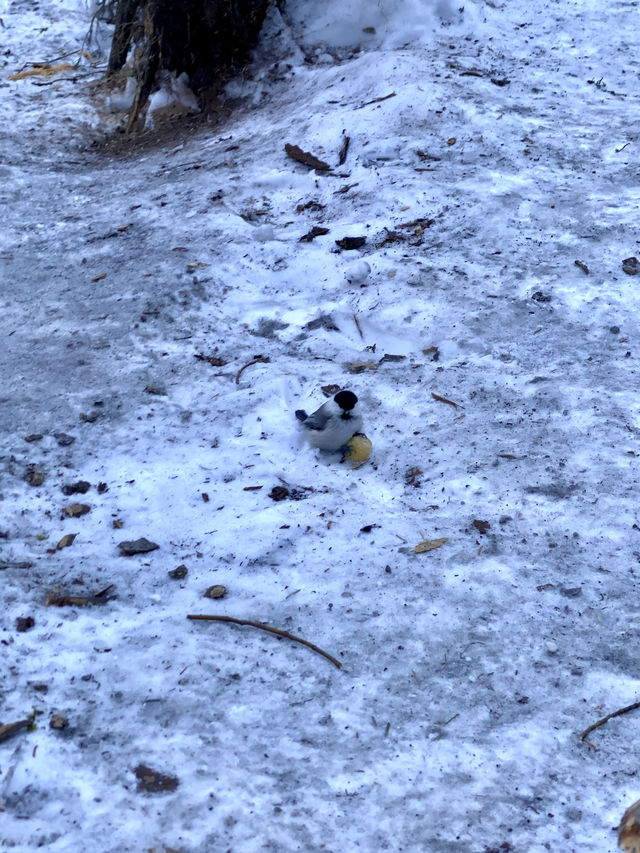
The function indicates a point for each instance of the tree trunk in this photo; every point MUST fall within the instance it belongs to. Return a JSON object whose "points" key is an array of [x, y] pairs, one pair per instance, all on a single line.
{"points": [[206, 38]]}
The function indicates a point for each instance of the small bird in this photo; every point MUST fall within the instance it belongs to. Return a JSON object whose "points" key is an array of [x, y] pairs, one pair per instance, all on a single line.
{"points": [[334, 423]]}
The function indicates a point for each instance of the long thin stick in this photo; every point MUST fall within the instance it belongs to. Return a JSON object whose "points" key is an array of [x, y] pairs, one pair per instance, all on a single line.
{"points": [[263, 627], [606, 719], [259, 359]]}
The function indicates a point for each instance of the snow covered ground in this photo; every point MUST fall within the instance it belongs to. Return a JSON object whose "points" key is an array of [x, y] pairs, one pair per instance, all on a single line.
{"points": [[490, 149]]}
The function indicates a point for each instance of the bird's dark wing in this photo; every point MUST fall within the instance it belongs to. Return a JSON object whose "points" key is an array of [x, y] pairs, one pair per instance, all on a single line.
{"points": [[318, 420]]}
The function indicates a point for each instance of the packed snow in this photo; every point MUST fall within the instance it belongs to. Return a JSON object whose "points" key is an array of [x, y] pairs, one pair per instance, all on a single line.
{"points": [[161, 319]]}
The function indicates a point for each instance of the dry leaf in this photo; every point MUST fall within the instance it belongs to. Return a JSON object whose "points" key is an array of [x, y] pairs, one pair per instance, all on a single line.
{"points": [[330, 390], [428, 545], [629, 831], [66, 541]]}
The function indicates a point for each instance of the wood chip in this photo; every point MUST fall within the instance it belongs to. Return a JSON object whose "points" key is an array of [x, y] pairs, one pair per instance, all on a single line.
{"points": [[316, 231], [428, 545], [306, 158], [362, 366], [153, 782]]}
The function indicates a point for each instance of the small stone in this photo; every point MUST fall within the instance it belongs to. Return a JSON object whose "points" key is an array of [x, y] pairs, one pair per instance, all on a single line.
{"points": [[216, 591], [349, 243], [76, 510], [630, 266], [24, 623], [138, 546], [79, 488], [57, 721], [615, 330], [540, 296], [279, 493], [36, 436], [178, 573], [34, 477], [63, 439]]}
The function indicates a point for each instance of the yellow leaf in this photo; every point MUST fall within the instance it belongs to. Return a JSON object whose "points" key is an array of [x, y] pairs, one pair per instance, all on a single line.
{"points": [[428, 545], [42, 71]]}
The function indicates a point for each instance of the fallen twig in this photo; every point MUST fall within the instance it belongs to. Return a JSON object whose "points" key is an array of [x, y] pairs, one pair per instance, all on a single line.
{"points": [[606, 719], [445, 400], [279, 632], [344, 148], [377, 100], [56, 598], [357, 322], [259, 359], [10, 729]]}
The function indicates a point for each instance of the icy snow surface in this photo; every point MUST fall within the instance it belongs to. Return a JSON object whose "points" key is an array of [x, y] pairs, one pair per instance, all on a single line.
{"points": [[507, 134]]}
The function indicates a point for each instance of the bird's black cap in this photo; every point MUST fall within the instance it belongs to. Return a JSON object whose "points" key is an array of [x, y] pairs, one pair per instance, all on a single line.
{"points": [[346, 400]]}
